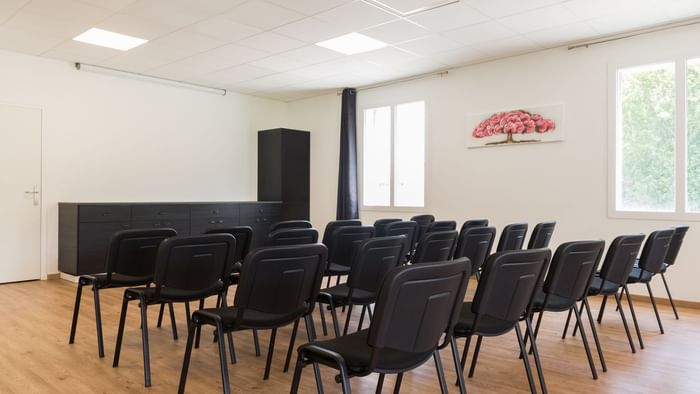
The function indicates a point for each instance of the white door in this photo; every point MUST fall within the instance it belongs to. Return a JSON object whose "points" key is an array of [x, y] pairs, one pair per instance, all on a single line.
{"points": [[20, 198]]}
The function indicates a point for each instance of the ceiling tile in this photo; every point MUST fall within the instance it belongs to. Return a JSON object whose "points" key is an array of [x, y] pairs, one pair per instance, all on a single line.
{"points": [[355, 16], [429, 45], [506, 47], [240, 73], [278, 63], [501, 8], [135, 26], [209, 7], [75, 51], [223, 29], [483, 32], [314, 71], [167, 12], [229, 55], [389, 56], [449, 17], [464, 55], [309, 7], [68, 10], [311, 30], [557, 36], [311, 54], [263, 15], [588, 9], [271, 42], [189, 42], [31, 42], [541, 18], [617, 23], [681, 9], [114, 5], [10, 7], [45, 25], [396, 31]]}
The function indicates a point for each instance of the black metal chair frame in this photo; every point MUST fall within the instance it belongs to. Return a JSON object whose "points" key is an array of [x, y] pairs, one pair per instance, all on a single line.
{"points": [[290, 224], [541, 235]]}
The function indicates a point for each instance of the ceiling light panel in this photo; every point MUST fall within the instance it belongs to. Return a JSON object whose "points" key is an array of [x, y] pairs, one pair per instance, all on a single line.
{"points": [[351, 44], [110, 39]]}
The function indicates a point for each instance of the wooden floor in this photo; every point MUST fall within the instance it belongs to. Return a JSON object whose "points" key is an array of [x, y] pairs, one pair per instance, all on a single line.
{"points": [[35, 356]]}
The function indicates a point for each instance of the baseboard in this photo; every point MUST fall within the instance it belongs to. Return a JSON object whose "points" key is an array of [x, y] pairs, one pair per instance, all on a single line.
{"points": [[69, 277], [53, 276], [666, 302]]}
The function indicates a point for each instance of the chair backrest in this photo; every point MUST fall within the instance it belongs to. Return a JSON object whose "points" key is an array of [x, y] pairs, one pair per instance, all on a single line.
{"points": [[243, 235], [655, 249], [423, 223], [508, 283], [373, 259], [408, 228], [331, 226], [474, 223], [572, 269], [416, 305], [620, 258], [282, 280], [133, 252], [344, 242], [196, 266], [676, 243], [437, 246], [541, 235], [475, 243], [442, 225], [292, 236], [512, 237], [290, 224], [380, 225]]}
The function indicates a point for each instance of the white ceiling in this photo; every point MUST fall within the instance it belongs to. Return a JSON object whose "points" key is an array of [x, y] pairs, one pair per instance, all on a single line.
{"points": [[266, 47]]}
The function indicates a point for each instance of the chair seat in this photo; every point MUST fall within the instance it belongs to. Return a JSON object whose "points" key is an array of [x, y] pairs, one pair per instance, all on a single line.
{"points": [[337, 269], [175, 295], [639, 275], [340, 295], [599, 286], [118, 280], [231, 318], [356, 353], [488, 326], [554, 302]]}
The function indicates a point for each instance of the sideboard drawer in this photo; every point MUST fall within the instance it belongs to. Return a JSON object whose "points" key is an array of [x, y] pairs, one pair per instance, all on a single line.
{"points": [[181, 226], [104, 213], [160, 212], [255, 210], [214, 211], [199, 226]]}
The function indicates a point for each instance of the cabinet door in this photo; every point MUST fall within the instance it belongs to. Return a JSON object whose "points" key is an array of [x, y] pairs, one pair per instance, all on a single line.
{"points": [[93, 243], [160, 212], [199, 226], [181, 226]]}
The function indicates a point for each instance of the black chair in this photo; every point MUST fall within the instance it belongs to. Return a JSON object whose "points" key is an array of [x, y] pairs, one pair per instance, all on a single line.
{"points": [[442, 225], [292, 236], [504, 297], [437, 246], [570, 274], [671, 257], [474, 223], [373, 259], [650, 263], [417, 305], [380, 224], [244, 237], [341, 247], [512, 237], [541, 235], [423, 223], [290, 224], [278, 287], [475, 243], [333, 225], [617, 265], [408, 228], [131, 258], [187, 269]]}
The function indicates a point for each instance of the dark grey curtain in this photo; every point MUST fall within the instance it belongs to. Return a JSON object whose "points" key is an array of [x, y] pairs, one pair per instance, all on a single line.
{"points": [[347, 174]]}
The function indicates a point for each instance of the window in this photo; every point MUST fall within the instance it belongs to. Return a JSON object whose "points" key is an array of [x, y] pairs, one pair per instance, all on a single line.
{"points": [[657, 138], [393, 156]]}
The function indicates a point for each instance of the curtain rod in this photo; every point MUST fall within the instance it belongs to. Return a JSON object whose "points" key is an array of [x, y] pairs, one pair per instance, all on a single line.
{"points": [[638, 32], [400, 80]]}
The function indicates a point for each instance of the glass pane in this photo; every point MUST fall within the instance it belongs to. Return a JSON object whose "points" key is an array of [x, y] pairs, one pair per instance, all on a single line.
{"points": [[376, 157], [409, 155], [693, 139], [647, 138]]}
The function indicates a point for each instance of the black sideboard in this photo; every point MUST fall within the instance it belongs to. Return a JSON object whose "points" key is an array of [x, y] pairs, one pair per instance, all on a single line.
{"points": [[84, 229]]}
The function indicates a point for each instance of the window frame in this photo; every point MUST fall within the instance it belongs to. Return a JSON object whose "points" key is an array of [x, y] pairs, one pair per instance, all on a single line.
{"points": [[392, 104], [680, 61]]}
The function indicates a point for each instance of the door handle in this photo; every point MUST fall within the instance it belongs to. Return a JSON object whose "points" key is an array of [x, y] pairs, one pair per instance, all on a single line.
{"points": [[35, 194]]}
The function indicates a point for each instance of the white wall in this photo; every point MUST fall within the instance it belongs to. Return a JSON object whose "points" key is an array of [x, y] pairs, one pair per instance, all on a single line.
{"points": [[565, 181], [108, 138]]}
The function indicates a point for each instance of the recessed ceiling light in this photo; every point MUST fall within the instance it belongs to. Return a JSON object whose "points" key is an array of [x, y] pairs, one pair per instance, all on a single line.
{"points": [[352, 43], [110, 39]]}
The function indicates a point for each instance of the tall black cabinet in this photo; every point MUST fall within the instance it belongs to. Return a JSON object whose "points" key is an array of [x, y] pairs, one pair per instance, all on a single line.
{"points": [[283, 170]]}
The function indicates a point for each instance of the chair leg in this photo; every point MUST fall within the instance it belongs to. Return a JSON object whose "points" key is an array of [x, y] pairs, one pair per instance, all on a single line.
{"points": [[347, 319], [291, 345], [673, 304], [362, 317], [397, 385], [120, 331], [566, 326], [634, 317], [231, 347], [602, 309], [458, 367], [160, 315], [311, 336], [186, 360], [76, 311], [656, 310], [199, 327], [536, 354], [296, 379], [526, 360], [580, 311], [585, 343], [173, 325], [270, 351], [624, 323], [440, 371], [595, 335], [144, 343], [380, 384], [323, 318], [222, 357], [334, 315], [475, 356], [463, 362], [256, 343], [369, 312], [98, 321]]}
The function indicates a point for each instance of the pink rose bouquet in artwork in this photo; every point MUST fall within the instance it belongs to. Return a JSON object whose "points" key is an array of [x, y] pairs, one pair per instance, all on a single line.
{"points": [[513, 122]]}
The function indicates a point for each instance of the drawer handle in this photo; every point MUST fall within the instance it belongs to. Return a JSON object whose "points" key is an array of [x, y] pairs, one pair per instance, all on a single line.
{"points": [[212, 221], [215, 212], [257, 220], [220, 221], [106, 213]]}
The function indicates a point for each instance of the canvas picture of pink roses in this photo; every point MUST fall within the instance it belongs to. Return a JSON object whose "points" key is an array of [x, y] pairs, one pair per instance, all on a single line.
{"points": [[516, 126]]}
